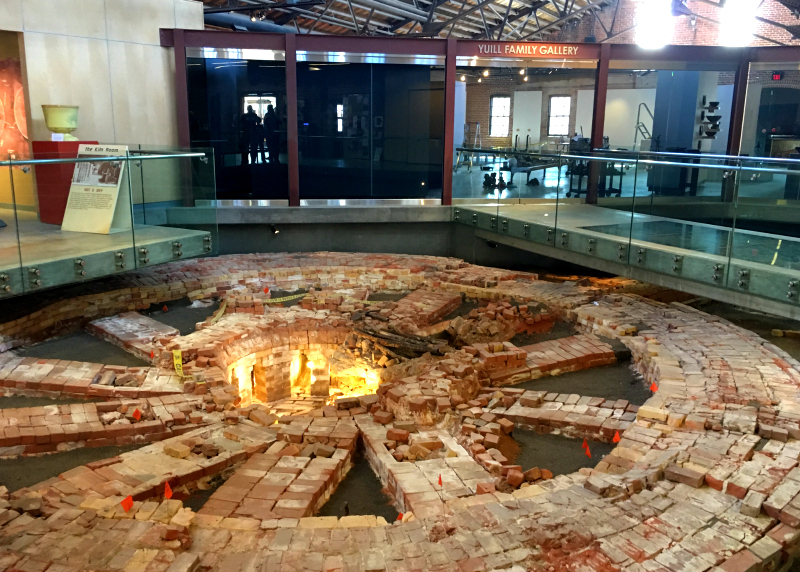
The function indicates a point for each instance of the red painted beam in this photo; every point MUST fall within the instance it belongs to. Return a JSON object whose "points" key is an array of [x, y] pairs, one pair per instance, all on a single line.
{"points": [[449, 120], [291, 119], [598, 119]]}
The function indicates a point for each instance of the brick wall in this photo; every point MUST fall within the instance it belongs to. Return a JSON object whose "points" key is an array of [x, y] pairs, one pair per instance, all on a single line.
{"points": [[478, 106], [702, 33]]}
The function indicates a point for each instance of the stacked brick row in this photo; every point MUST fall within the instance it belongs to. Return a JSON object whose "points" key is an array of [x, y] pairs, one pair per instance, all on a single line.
{"points": [[336, 301], [434, 390], [142, 473], [280, 483], [482, 438], [50, 428], [498, 322], [415, 486], [56, 377], [133, 332], [573, 415], [425, 307]]}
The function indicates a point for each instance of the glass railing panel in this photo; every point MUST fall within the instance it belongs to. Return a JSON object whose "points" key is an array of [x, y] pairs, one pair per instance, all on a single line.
{"points": [[527, 206], [683, 215], [177, 214], [68, 219], [11, 180], [82, 228], [765, 245]]}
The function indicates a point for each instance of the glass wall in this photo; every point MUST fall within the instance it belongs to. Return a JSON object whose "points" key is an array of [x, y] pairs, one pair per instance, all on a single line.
{"points": [[772, 111], [514, 118], [237, 106], [370, 128], [678, 110]]}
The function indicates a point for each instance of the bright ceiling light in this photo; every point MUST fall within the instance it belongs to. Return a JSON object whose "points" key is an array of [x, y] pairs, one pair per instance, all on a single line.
{"points": [[486, 73], [525, 78], [463, 78], [738, 23], [654, 23], [522, 72]]}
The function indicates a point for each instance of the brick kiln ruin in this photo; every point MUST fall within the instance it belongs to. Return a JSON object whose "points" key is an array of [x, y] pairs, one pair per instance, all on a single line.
{"points": [[411, 358]]}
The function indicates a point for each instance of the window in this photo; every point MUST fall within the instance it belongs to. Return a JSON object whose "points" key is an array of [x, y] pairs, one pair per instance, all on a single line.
{"points": [[339, 117], [500, 115], [259, 103], [558, 116]]}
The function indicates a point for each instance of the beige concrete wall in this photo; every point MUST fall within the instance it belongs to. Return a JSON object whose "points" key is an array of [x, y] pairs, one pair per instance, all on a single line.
{"points": [[103, 55]]}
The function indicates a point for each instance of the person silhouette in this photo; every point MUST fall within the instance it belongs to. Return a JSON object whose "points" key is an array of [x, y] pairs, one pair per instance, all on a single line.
{"points": [[250, 125], [271, 125]]}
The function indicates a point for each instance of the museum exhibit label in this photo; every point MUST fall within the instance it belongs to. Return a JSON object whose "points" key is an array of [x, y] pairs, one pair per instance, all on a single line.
{"points": [[94, 203]]}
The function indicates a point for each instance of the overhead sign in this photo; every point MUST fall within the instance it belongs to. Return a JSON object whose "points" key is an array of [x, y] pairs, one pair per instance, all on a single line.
{"points": [[527, 50], [94, 203]]}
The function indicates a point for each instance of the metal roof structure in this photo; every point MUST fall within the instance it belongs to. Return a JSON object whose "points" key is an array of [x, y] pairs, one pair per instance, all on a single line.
{"points": [[506, 20]]}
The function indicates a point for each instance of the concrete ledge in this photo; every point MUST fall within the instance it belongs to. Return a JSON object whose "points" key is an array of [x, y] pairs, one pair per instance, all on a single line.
{"points": [[309, 215]]}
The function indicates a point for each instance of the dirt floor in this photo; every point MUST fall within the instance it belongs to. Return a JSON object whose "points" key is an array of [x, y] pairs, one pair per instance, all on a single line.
{"points": [[465, 308], [386, 296], [81, 346], [26, 471], [557, 331], [362, 492], [559, 454], [617, 381], [180, 316]]}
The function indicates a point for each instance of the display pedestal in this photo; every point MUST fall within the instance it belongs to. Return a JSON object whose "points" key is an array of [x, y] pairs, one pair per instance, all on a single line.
{"points": [[53, 180]]}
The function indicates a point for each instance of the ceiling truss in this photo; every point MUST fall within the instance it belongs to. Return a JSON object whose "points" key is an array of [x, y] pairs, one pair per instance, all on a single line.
{"points": [[463, 19], [509, 20]]}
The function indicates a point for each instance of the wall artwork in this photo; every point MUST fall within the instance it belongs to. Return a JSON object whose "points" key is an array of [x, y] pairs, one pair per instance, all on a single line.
{"points": [[13, 120]]}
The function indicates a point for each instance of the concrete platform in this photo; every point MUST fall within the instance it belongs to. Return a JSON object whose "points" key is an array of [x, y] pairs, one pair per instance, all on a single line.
{"points": [[32, 251], [755, 270]]}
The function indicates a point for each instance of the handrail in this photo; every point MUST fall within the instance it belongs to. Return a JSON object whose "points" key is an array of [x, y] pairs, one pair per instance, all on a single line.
{"points": [[144, 157], [696, 155], [641, 127], [688, 165]]}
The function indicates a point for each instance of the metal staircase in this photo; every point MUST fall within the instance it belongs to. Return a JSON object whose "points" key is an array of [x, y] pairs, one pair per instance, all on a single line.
{"points": [[641, 129]]}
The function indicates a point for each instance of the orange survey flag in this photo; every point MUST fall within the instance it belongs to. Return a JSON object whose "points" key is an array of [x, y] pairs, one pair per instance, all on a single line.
{"points": [[588, 453], [585, 443], [617, 438], [127, 503], [653, 387], [137, 414], [167, 491]]}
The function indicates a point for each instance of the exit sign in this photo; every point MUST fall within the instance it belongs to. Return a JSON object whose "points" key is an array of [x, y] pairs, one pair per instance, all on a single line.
{"points": [[777, 76]]}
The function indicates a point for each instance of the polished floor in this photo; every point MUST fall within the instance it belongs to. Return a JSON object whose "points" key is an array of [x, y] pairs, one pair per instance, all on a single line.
{"points": [[554, 183]]}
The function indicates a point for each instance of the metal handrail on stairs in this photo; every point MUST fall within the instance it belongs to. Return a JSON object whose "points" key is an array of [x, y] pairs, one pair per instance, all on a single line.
{"points": [[641, 128]]}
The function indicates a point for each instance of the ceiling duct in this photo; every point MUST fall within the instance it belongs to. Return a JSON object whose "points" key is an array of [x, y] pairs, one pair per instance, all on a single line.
{"points": [[236, 21]]}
